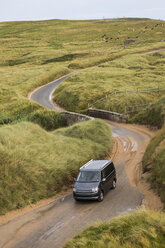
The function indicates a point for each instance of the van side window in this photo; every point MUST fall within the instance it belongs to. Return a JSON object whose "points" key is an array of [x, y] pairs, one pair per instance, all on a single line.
{"points": [[111, 167], [108, 170], [103, 174]]}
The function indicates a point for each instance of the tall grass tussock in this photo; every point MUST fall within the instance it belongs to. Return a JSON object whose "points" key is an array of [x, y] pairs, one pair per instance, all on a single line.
{"points": [[154, 162], [139, 229], [153, 115], [24, 110]]}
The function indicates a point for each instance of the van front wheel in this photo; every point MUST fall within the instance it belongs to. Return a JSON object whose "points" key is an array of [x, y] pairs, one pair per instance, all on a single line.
{"points": [[101, 196]]}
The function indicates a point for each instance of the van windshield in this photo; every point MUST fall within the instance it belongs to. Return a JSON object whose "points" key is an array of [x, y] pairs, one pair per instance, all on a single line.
{"points": [[88, 176]]}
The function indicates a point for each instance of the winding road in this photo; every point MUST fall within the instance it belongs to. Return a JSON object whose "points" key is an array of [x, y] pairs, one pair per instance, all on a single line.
{"points": [[53, 224], [43, 95]]}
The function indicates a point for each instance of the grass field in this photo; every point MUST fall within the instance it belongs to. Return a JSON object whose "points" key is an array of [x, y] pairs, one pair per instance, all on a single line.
{"points": [[130, 72], [154, 161], [139, 229], [117, 68], [36, 164], [34, 53], [153, 115]]}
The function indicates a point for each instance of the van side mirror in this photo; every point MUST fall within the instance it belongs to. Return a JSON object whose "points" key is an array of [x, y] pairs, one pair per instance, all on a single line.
{"points": [[104, 179], [75, 180]]}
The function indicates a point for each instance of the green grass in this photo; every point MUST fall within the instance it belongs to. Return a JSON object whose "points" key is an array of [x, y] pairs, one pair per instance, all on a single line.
{"points": [[153, 115], [34, 53], [139, 229], [36, 164], [47, 119], [154, 162], [130, 72], [24, 110], [14, 104], [154, 157]]}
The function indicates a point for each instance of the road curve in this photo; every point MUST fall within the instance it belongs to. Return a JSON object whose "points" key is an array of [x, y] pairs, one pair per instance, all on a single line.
{"points": [[51, 225], [43, 95]]}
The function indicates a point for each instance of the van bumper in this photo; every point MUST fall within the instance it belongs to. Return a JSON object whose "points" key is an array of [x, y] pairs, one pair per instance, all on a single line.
{"points": [[92, 196]]}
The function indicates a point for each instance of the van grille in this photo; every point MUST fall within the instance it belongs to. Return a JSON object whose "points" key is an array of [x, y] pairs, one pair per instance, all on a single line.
{"points": [[84, 191]]}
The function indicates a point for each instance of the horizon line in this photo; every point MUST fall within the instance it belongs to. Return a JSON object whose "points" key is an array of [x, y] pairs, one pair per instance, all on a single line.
{"points": [[88, 19]]}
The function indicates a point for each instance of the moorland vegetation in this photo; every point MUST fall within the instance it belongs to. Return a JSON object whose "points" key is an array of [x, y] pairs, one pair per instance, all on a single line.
{"points": [[154, 163], [120, 80], [110, 55], [35, 53], [138, 229], [36, 164]]}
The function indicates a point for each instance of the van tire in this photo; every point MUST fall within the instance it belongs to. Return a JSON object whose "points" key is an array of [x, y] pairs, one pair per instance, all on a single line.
{"points": [[101, 196], [114, 184], [76, 200]]}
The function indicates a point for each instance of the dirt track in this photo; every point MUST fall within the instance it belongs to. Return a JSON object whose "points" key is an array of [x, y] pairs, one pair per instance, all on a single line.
{"points": [[134, 170], [154, 51]]}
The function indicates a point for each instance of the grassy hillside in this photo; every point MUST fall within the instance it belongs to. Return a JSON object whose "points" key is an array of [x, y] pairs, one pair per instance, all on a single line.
{"points": [[24, 110], [121, 69], [154, 157], [154, 162], [130, 72], [137, 230], [35, 164], [153, 115], [14, 105], [34, 53]]}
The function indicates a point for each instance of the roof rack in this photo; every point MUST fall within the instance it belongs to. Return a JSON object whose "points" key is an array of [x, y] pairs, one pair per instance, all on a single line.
{"points": [[86, 164]]}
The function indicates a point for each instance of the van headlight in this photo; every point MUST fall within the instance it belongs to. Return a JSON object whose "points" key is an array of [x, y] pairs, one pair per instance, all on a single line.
{"points": [[74, 189], [95, 190]]}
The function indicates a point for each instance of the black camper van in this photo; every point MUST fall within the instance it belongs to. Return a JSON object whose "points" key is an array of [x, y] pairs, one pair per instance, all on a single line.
{"points": [[94, 180]]}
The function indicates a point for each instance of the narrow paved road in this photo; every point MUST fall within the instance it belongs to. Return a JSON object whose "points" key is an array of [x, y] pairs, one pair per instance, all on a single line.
{"points": [[51, 225], [43, 95]]}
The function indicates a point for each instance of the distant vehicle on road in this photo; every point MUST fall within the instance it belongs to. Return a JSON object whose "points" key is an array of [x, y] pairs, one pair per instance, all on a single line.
{"points": [[94, 180]]}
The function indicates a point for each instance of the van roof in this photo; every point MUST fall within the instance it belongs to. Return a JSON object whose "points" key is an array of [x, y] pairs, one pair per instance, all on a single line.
{"points": [[95, 165]]}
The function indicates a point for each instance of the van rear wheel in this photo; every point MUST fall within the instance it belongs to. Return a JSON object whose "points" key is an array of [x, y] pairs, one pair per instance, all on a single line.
{"points": [[101, 196], [114, 184]]}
